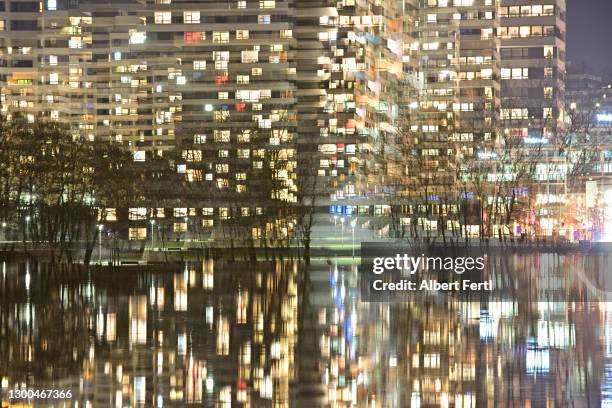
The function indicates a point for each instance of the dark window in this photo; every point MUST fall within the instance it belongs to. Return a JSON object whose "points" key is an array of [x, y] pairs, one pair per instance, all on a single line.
{"points": [[26, 6], [24, 25]]}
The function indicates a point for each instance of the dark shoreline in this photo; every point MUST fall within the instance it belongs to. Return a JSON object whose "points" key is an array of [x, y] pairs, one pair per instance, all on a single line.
{"points": [[146, 256]]}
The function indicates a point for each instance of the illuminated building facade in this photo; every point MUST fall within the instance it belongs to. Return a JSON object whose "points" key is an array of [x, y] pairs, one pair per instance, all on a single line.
{"points": [[533, 76], [251, 98], [217, 83], [460, 97]]}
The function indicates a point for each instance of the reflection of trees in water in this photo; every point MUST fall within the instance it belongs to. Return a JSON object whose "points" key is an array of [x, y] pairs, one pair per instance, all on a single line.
{"points": [[44, 328], [153, 324], [433, 351]]}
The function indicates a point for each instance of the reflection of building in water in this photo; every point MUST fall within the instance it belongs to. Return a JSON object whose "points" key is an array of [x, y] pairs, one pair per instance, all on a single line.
{"points": [[137, 313], [224, 335], [38, 305], [228, 339], [514, 346], [606, 384]]}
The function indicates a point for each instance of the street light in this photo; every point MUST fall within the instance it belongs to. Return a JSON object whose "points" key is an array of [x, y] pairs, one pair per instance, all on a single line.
{"points": [[4, 231], [353, 225], [152, 236], [100, 228]]}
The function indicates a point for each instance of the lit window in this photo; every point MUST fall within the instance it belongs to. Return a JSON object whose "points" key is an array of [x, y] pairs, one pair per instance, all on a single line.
{"points": [[52, 59], [264, 19], [548, 72], [191, 17], [135, 234], [525, 31], [548, 113], [51, 5], [548, 92], [242, 79], [194, 37], [75, 42], [137, 213], [549, 51], [54, 78], [266, 4], [286, 33], [2, 25], [486, 33], [199, 65], [549, 10], [137, 37], [220, 37], [139, 156], [241, 4], [242, 34], [250, 56], [222, 136], [163, 17]]}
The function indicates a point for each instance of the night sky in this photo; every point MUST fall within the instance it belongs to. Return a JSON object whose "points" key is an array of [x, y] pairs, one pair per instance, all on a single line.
{"points": [[589, 34]]}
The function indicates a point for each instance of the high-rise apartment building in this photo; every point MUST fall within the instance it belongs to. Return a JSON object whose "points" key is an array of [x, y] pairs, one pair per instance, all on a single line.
{"points": [[252, 97], [533, 68], [533, 99], [460, 96], [218, 79]]}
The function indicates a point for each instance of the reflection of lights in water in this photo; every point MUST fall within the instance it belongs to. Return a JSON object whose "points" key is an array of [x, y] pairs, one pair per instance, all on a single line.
{"points": [[488, 325], [537, 358], [137, 311], [118, 398], [465, 401], [160, 362], [210, 385], [348, 329], [209, 314], [100, 324], [275, 351], [266, 389], [140, 388], [415, 400], [606, 383], [559, 335], [182, 344], [502, 309]]}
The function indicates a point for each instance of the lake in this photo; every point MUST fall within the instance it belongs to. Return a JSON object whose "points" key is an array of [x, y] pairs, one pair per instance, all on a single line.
{"points": [[274, 334]]}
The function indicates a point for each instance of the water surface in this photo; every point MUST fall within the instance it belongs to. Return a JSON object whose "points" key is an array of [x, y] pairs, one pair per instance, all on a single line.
{"points": [[273, 334]]}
